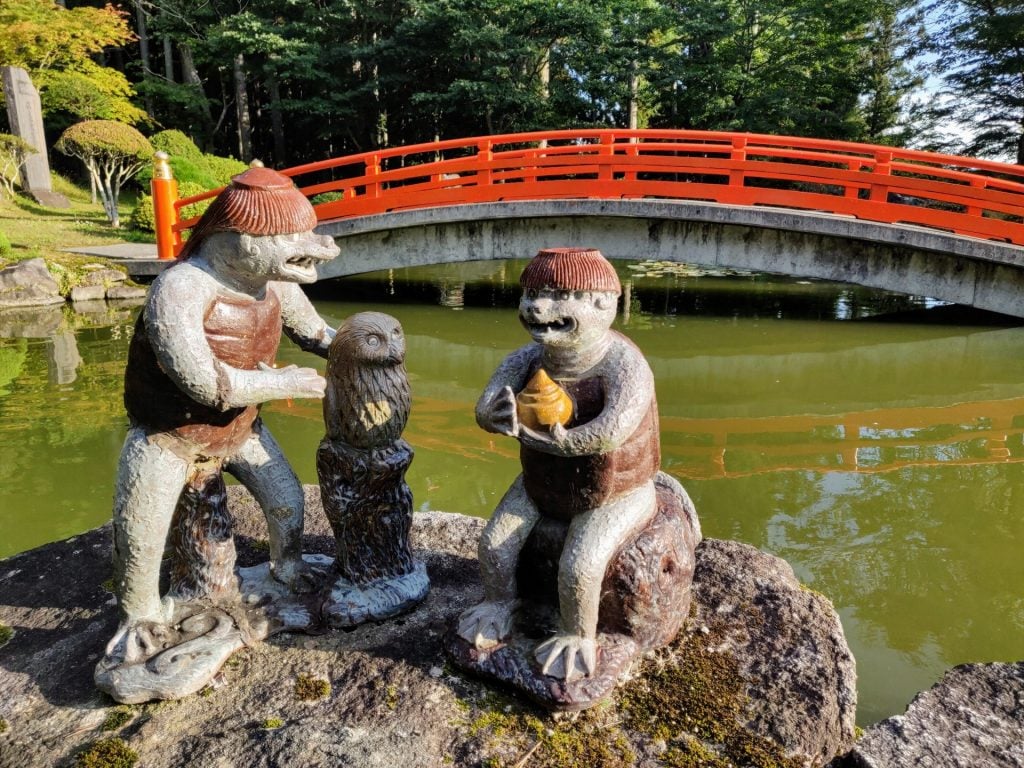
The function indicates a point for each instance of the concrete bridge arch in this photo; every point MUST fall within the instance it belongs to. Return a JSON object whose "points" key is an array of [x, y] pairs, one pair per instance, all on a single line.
{"points": [[910, 259]]}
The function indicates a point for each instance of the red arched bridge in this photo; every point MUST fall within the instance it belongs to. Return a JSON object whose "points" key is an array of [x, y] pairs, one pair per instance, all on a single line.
{"points": [[917, 222]]}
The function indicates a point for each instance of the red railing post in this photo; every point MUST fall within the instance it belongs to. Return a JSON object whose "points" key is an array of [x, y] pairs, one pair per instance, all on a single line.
{"points": [[372, 170], [606, 156], [738, 155], [976, 183], [883, 167], [165, 194], [484, 154]]}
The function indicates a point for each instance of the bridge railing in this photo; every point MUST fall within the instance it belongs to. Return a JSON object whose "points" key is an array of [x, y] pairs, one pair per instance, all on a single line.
{"points": [[965, 196]]}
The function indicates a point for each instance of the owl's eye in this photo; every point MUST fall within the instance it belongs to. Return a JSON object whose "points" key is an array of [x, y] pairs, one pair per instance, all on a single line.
{"points": [[396, 333], [373, 341]]}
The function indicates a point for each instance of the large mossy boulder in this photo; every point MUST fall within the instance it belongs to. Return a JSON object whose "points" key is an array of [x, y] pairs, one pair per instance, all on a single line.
{"points": [[762, 677], [28, 284]]}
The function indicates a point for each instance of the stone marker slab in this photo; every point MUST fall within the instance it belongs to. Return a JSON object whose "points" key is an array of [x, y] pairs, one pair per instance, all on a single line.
{"points": [[26, 118]]}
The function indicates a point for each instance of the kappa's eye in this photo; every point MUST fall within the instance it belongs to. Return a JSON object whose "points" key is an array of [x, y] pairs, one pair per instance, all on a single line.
{"points": [[563, 295], [578, 295], [532, 293]]}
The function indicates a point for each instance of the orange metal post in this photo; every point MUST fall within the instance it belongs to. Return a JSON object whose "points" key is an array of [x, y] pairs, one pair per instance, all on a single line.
{"points": [[165, 193]]}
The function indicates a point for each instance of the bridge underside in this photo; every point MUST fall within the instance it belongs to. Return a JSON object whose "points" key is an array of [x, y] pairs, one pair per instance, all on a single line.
{"points": [[913, 260]]}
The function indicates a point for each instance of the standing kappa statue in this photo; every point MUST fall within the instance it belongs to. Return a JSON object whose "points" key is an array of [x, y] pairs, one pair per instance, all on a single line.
{"points": [[589, 556], [200, 364]]}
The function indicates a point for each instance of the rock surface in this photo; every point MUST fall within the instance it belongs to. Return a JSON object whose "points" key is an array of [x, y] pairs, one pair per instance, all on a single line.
{"points": [[972, 718], [393, 700], [28, 284]]}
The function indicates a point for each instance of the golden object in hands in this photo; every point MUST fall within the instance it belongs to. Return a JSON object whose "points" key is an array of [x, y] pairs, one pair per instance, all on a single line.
{"points": [[543, 403]]}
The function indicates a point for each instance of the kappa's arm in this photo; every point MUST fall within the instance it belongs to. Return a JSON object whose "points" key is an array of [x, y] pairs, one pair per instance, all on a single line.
{"points": [[302, 324], [628, 388], [175, 314]]}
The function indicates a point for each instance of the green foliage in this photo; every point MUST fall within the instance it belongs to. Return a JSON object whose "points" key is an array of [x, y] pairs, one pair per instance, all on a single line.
{"points": [[308, 688], [143, 219], [91, 93], [176, 144], [190, 166], [221, 169], [58, 48], [327, 197], [5, 247], [272, 723], [12, 361], [112, 152], [107, 753], [979, 46], [105, 139], [6, 633], [3, 725], [13, 150]]}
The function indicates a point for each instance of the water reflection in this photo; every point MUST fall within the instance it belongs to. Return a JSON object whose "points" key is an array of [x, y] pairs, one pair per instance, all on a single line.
{"points": [[882, 459]]}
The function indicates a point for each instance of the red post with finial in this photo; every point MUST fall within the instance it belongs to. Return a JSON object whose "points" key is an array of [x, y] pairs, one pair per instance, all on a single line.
{"points": [[165, 194]]}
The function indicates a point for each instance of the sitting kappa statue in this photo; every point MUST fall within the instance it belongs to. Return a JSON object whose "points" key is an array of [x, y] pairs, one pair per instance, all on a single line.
{"points": [[200, 365], [591, 528]]}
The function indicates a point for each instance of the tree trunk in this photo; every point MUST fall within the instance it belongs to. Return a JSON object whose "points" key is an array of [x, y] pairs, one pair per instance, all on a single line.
{"points": [[276, 121], [242, 110], [168, 60], [634, 90], [140, 26], [191, 76]]}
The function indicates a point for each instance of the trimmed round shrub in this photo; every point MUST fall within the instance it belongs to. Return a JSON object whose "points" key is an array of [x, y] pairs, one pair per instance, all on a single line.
{"points": [[176, 144], [223, 168]]}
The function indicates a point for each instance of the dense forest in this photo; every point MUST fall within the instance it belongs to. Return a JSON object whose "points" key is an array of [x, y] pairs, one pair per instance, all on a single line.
{"points": [[298, 80]]}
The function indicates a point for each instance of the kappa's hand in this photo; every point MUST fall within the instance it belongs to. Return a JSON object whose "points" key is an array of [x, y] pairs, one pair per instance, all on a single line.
{"points": [[293, 381], [501, 416]]}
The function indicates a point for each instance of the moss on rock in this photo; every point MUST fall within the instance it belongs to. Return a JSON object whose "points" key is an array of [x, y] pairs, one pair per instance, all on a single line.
{"points": [[308, 688], [107, 753]]}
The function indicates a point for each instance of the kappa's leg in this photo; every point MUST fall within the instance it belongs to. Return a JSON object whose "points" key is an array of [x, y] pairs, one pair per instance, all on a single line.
{"points": [[593, 538], [150, 478], [261, 466], [503, 539]]}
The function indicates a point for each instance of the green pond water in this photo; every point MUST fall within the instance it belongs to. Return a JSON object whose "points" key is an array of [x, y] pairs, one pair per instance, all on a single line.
{"points": [[877, 450]]}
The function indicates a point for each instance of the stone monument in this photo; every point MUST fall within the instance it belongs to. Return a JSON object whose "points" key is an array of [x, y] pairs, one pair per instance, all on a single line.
{"points": [[26, 118], [200, 364], [361, 465], [588, 559]]}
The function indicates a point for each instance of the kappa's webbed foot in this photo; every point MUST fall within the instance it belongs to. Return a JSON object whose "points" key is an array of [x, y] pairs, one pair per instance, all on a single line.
{"points": [[567, 657], [488, 623]]}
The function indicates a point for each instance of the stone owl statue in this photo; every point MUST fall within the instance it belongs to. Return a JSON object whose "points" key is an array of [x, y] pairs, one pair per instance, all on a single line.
{"points": [[367, 400]]}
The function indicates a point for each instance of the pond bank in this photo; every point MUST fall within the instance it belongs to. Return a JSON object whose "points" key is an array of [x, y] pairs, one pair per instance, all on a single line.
{"points": [[383, 694]]}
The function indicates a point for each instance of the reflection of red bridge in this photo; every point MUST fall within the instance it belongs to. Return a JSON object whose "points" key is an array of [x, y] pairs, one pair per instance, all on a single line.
{"points": [[866, 441], [873, 183]]}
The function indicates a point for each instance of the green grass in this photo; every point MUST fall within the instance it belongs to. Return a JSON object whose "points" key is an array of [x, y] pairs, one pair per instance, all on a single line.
{"points": [[35, 231]]}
